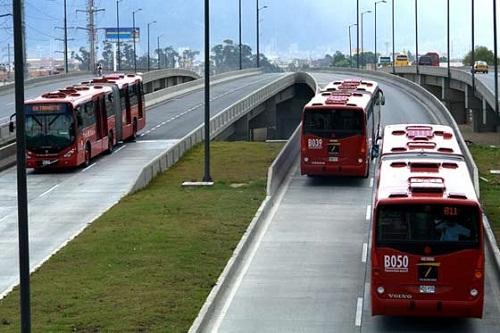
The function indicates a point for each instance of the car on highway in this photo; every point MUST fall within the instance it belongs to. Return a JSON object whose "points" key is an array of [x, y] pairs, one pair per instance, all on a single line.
{"points": [[480, 67], [384, 61], [425, 60], [402, 60]]}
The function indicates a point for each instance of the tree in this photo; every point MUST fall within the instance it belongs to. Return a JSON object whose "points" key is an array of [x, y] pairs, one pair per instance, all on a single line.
{"points": [[83, 58], [127, 52], [108, 57], [480, 53], [339, 60], [187, 58]]}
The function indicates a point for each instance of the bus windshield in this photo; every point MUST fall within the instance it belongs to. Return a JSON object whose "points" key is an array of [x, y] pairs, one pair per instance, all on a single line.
{"points": [[333, 123], [49, 127], [444, 227]]}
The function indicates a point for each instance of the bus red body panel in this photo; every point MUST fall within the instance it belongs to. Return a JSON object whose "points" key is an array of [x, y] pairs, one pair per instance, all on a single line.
{"points": [[339, 126], [427, 233]]}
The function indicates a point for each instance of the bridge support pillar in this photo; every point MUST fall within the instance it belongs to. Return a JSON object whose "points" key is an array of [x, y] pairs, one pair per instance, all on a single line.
{"points": [[263, 125], [484, 119], [455, 101]]}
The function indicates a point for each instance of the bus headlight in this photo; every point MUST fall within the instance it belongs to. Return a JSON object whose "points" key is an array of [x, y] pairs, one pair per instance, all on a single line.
{"points": [[360, 160], [306, 159], [69, 153], [380, 290], [474, 292]]}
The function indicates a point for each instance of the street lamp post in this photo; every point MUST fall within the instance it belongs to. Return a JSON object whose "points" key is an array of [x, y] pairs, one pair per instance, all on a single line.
{"points": [[473, 47], [357, 33], [350, 45], [495, 59], [149, 56], [206, 176], [393, 46], [362, 28], [22, 193], [258, 32], [376, 3], [118, 57], [239, 14], [416, 35], [448, 37], [134, 37]]}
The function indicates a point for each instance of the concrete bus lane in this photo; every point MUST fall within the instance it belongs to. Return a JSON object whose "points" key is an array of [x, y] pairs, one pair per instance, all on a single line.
{"points": [[62, 204], [309, 272]]}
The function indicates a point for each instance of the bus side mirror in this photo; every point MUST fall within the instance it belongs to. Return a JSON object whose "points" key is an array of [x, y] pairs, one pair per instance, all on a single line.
{"points": [[12, 127], [382, 99], [375, 151]]}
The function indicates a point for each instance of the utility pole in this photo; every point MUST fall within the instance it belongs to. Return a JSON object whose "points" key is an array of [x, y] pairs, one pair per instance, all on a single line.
{"points": [[357, 33], [66, 69], [91, 11], [118, 56], [473, 48], [241, 60], [10, 62]]}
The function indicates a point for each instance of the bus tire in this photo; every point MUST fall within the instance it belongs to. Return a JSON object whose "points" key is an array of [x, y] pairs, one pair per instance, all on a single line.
{"points": [[87, 155], [111, 144], [134, 130], [367, 173]]}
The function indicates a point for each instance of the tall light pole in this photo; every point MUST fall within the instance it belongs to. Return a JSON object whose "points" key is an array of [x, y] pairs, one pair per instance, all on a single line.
{"points": [[239, 14], [448, 37], [362, 28], [416, 35], [393, 46], [495, 59], [158, 50], [350, 45], [22, 192], [258, 31], [118, 56], [134, 37], [149, 56], [206, 176], [376, 3], [357, 33], [66, 69], [473, 47]]}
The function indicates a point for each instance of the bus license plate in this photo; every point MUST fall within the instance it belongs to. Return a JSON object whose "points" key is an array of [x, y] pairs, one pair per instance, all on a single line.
{"points": [[427, 289], [333, 159], [46, 162]]}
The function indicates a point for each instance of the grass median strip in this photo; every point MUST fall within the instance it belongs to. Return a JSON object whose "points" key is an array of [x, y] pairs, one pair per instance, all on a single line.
{"points": [[148, 264], [487, 159]]}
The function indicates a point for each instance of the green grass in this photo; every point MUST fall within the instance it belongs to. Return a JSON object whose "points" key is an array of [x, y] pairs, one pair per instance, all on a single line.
{"points": [[489, 159], [148, 264]]}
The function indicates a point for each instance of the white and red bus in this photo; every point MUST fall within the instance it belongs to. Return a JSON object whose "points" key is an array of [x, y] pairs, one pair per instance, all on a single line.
{"points": [[427, 250], [339, 127], [68, 127]]}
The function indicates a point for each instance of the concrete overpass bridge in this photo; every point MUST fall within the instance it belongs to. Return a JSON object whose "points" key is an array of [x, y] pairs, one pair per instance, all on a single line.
{"points": [[298, 268]]}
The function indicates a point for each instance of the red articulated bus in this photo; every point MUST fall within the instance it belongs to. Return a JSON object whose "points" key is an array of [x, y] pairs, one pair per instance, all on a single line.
{"points": [[68, 127], [339, 127], [427, 250]]}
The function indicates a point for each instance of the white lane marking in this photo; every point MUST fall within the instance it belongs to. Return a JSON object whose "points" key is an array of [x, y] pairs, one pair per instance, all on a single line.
{"points": [[10, 103], [3, 218], [368, 211], [143, 134], [359, 312], [119, 149], [49, 190], [364, 255], [90, 166], [371, 182]]}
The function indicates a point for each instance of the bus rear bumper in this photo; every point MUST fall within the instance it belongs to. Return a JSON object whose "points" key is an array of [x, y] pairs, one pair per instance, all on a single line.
{"points": [[427, 308], [333, 170]]}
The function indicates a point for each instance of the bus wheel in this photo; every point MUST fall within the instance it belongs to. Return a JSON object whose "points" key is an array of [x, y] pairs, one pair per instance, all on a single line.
{"points": [[134, 131], [367, 173], [87, 156], [110, 143]]}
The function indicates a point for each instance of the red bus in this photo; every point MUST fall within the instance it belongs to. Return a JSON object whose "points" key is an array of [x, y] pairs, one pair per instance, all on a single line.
{"points": [[339, 127], [69, 127], [427, 251]]}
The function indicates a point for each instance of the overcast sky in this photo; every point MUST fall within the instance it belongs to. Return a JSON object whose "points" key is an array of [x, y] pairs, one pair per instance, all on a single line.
{"points": [[289, 28]]}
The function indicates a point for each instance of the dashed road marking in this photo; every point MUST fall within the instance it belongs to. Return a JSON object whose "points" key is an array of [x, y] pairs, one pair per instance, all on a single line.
{"points": [[359, 312], [90, 166], [368, 211], [371, 182], [364, 254], [49, 190], [122, 147]]}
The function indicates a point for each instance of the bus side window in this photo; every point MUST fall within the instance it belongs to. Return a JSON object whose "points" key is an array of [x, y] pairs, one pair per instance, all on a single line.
{"points": [[109, 104], [89, 115], [122, 99], [133, 94], [79, 117]]}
